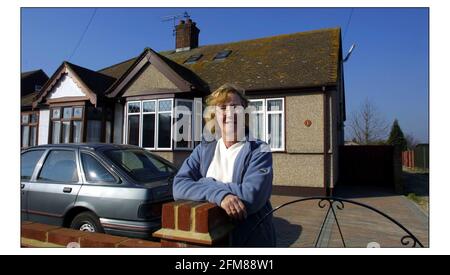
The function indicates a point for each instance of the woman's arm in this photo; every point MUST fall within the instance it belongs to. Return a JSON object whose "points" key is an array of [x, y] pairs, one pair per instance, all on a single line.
{"points": [[254, 191], [189, 184]]}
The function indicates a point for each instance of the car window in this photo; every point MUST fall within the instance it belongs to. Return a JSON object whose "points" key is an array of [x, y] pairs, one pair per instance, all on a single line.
{"points": [[59, 166], [94, 171], [28, 161], [139, 164]]}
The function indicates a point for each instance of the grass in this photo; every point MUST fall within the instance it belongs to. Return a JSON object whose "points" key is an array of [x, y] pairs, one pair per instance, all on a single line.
{"points": [[422, 202]]}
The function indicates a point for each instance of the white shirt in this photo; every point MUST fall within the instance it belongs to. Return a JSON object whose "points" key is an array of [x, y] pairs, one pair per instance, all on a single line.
{"points": [[222, 164]]}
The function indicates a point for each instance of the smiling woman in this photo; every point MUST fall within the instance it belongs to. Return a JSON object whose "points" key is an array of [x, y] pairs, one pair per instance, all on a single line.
{"points": [[234, 173]]}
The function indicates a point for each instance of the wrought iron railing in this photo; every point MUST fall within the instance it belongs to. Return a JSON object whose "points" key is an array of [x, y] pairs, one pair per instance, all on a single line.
{"points": [[335, 203]]}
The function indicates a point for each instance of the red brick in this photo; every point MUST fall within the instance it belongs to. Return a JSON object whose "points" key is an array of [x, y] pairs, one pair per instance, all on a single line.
{"points": [[136, 243], [100, 240], [208, 217], [184, 215], [168, 215], [64, 236], [36, 231]]}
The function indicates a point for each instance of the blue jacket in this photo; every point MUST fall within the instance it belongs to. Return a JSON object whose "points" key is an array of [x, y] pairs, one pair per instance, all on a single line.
{"points": [[252, 183]]}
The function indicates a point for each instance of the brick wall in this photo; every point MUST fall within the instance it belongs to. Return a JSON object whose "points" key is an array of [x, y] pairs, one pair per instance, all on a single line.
{"points": [[193, 224], [184, 224]]}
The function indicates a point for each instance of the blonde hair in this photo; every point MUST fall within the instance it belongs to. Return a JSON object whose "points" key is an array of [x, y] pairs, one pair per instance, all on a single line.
{"points": [[221, 96]]}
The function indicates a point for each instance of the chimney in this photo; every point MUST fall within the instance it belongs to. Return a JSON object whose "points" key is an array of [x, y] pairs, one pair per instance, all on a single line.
{"points": [[186, 35]]}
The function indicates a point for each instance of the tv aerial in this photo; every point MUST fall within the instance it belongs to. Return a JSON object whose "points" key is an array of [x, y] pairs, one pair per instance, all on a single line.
{"points": [[174, 18]]}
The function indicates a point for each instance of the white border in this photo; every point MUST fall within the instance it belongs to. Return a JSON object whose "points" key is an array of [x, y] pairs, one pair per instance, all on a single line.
{"points": [[439, 113]]}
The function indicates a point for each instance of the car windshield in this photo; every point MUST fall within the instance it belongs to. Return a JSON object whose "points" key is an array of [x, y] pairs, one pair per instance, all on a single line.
{"points": [[139, 164]]}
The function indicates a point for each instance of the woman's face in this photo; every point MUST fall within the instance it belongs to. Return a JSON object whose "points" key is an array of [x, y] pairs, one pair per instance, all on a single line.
{"points": [[227, 117]]}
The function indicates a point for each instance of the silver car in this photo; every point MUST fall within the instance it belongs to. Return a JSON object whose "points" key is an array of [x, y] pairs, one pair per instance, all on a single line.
{"points": [[115, 189]]}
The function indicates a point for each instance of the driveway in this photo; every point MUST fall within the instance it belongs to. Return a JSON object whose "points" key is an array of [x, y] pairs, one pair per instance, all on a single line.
{"points": [[298, 225]]}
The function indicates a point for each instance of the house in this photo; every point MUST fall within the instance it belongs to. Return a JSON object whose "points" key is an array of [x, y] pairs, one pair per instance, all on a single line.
{"points": [[31, 83], [295, 82]]}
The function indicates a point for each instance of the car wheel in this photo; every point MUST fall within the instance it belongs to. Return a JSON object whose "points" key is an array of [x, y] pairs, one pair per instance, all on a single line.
{"points": [[88, 222]]}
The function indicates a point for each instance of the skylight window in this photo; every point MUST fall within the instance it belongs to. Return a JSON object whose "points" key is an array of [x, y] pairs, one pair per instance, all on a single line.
{"points": [[222, 55], [193, 58]]}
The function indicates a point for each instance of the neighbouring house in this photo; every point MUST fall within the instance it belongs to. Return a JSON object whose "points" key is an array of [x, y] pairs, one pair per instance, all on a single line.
{"points": [[295, 81], [30, 84]]}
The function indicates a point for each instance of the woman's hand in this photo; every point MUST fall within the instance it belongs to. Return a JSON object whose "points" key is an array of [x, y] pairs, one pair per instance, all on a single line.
{"points": [[234, 207]]}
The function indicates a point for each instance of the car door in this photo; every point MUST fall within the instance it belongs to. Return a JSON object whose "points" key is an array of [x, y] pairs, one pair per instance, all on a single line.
{"points": [[28, 161], [56, 186]]}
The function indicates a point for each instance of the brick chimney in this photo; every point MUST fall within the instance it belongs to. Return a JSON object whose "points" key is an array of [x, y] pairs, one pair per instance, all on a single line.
{"points": [[186, 35]]}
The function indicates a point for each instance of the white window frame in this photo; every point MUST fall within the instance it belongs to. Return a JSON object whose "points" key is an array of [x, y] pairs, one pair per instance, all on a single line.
{"points": [[264, 136], [133, 114], [266, 120], [141, 124], [189, 148], [157, 148]]}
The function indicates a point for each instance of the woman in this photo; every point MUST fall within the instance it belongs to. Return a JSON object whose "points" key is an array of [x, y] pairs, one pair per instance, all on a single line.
{"points": [[236, 174]]}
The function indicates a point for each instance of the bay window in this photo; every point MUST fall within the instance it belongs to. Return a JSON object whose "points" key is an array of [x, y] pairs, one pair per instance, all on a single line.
{"points": [[66, 124], [267, 122], [150, 124]]}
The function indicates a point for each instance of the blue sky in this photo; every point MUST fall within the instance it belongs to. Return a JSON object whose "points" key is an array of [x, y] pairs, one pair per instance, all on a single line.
{"points": [[389, 65]]}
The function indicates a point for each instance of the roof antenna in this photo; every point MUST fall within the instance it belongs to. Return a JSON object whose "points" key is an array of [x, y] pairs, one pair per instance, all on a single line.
{"points": [[173, 18], [349, 52]]}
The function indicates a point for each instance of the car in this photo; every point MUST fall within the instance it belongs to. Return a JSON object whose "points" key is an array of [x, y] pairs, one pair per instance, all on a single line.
{"points": [[105, 188]]}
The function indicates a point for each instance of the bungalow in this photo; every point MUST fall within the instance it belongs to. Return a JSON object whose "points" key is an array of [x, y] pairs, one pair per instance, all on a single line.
{"points": [[30, 85], [295, 82]]}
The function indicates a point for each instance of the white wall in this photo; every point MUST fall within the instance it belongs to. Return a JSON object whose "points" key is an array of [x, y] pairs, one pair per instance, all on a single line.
{"points": [[44, 119], [66, 87], [118, 123]]}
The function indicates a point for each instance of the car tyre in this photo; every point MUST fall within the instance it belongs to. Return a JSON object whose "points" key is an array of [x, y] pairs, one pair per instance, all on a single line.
{"points": [[88, 222]]}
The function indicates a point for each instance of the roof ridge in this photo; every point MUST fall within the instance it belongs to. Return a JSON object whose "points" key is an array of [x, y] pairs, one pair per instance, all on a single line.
{"points": [[262, 38]]}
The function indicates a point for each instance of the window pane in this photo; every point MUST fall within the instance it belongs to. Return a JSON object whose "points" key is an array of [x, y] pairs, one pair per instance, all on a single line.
{"points": [[257, 104], [78, 112], [133, 130], [140, 165], [66, 131], [275, 105], [67, 112], [275, 129], [165, 105], [56, 113], [56, 133], [76, 134], [148, 131], [60, 166], [94, 171], [33, 135], [257, 126], [134, 107], [28, 162], [25, 135], [94, 130], [34, 118], [164, 126], [148, 106], [25, 119]]}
